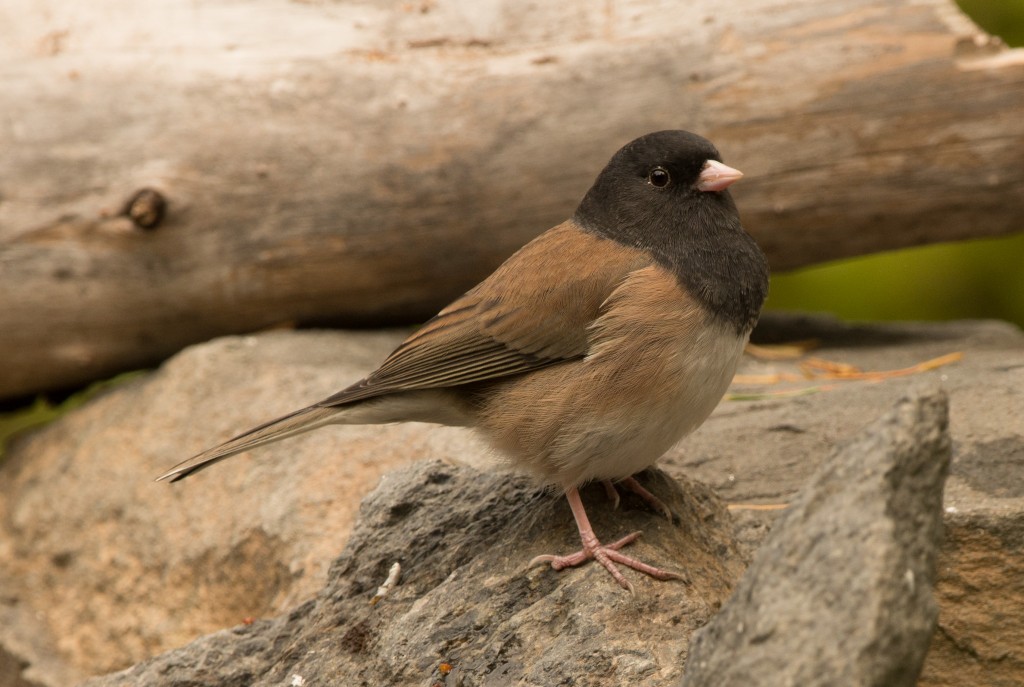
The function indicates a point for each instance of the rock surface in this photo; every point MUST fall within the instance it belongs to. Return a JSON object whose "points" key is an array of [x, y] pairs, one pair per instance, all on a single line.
{"points": [[101, 568], [760, 452], [852, 561], [467, 599], [840, 592]]}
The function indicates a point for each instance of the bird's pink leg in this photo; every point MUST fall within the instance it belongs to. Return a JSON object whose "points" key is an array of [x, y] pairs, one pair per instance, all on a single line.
{"points": [[613, 493], [652, 500], [638, 489], [606, 555]]}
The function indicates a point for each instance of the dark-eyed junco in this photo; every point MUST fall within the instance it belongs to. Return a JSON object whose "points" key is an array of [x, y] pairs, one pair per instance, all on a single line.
{"points": [[593, 349]]}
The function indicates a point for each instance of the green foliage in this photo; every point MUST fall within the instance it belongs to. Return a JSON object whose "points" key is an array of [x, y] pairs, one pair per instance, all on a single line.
{"points": [[43, 410], [978, 279], [1004, 18]]}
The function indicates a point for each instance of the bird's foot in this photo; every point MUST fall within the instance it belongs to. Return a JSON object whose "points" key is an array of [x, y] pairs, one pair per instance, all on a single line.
{"points": [[608, 555]]}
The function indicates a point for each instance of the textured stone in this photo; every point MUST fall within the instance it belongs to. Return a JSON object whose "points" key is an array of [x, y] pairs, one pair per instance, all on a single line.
{"points": [[100, 568], [103, 567], [467, 598], [760, 452], [840, 592]]}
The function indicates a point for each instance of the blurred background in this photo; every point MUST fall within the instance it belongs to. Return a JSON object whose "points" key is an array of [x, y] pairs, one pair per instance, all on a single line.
{"points": [[977, 279], [974, 279]]}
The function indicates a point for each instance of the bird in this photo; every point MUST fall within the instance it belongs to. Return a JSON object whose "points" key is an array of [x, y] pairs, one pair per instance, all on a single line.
{"points": [[589, 352]]}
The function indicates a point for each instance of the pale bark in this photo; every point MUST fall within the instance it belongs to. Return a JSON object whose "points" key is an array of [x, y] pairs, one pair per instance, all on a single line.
{"points": [[358, 163]]}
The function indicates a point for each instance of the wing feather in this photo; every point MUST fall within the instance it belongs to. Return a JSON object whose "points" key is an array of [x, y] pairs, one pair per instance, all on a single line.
{"points": [[525, 316]]}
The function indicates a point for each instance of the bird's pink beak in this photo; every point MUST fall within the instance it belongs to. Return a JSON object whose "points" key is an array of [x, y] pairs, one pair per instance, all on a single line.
{"points": [[716, 176]]}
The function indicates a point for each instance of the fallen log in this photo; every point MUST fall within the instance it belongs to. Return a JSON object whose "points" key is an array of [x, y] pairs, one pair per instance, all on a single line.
{"points": [[169, 175]]}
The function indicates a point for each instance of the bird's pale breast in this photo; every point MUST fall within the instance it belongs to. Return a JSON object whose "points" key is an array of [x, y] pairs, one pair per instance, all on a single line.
{"points": [[657, 365]]}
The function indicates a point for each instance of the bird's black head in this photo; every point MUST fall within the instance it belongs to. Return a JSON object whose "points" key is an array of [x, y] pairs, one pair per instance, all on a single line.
{"points": [[651, 186], [665, 193]]}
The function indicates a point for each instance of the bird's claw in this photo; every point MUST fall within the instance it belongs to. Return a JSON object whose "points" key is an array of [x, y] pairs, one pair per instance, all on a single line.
{"points": [[608, 555]]}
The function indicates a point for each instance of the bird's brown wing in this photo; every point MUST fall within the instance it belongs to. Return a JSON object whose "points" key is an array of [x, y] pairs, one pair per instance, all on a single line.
{"points": [[533, 311]]}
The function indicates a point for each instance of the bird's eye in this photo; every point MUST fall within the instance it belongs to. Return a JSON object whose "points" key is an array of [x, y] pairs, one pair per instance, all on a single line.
{"points": [[659, 177]]}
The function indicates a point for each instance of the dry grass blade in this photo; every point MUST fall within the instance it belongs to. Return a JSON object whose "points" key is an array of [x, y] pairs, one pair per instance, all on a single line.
{"points": [[834, 370], [819, 369], [789, 351], [773, 378]]}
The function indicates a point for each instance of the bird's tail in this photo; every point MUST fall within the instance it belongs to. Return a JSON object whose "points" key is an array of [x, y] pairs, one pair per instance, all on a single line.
{"points": [[299, 422]]}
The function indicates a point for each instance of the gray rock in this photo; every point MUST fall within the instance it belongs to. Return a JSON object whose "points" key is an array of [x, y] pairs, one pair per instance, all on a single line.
{"points": [[840, 593], [758, 453], [100, 568], [468, 600]]}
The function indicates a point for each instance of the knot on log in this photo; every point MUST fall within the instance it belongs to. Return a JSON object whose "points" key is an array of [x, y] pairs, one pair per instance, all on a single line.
{"points": [[146, 208]]}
